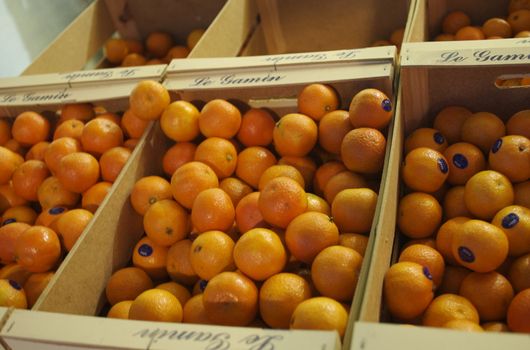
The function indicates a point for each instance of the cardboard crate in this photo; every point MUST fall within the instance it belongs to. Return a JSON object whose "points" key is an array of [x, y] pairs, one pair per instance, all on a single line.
{"points": [[270, 81], [426, 21], [80, 45], [260, 27], [109, 88], [434, 75]]}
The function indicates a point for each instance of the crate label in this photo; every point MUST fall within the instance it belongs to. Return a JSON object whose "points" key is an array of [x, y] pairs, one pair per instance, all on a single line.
{"points": [[60, 95]]}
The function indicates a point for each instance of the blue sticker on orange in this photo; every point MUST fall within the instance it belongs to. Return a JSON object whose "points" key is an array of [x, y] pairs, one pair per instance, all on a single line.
{"points": [[510, 220], [56, 210], [427, 273], [438, 138], [145, 250], [15, 284], [460, 161], [202, 285], [9, 221], [466, 254], [496, 146], [387, 105], [443, 165]]}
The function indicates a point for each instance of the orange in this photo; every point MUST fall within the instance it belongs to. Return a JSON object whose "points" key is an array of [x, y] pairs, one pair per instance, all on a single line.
{"points": [[370, 108], [363, 150], [305, 165], [444, 37], [134, 45], [463, 325], [464, 160], [156, 305], [522, 194], [151, 258], [126, 284], [48, 217], [177, 155], [178, 263], [176, 52], [38, 249], [212, 210], [154, 61], [9, 234], [219, 118], [37, 151], [112, 162], [115, 50], [425, 137], [428, 257], [281, 200], [15, 272], [514, 220], [178, 290], [252, 162], [259, 254], [133, 59], [342, 181], [235, 188], [15, 146], [180, 121], [444, 237], [99, 135], [454, 204], [487, 192], [495, 327], [315, 100], [158, 43], [133, 126], [219, 154], [419, 215], [198, 287], [324, 173], [396, 37], [452, 280], [120, 310], [519, 273], [497, 27], [193, 37], [30, 128], [69, 128], [79, 111], [455, 20], [27, 178], [447, 307], [295, 135], [425, 169], [9, 161], [211, 253], [280, 170], [149, 190], [519, 20], [71, 225], [519, 124], [194, 311], [482, 129], [510, 155], [58, 149], [166, 222], [470, 33], [21, 213], [354, 241], [12, 295], [35, 285], [332, 128], [231, 299], [449, 122], [320, 313], [353, 209], [256, 128], [316, 203], [248, 215], [479, 246], [335, 271], [278, 297], [429, 242], [309, 233], [8, 197], [5, 131], [490, 293], [148, 100], [518, 317], [78, 171], [91, 199], [191, 179]]}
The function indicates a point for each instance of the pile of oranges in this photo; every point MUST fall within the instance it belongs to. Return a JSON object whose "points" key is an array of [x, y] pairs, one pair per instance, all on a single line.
{"points": [[55, 171], [158, 48], [466, 213], [456, 25], [257, 220]]}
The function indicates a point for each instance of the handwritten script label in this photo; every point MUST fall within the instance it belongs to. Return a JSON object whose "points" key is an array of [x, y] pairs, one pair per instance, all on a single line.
{"points": [[237, 80], [101, 74], [211, 340], [37, 97], [482, 56]]}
